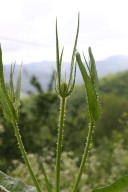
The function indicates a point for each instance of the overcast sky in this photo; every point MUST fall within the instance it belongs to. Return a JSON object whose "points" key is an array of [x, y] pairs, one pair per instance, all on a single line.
{"points": [[27, 28]]}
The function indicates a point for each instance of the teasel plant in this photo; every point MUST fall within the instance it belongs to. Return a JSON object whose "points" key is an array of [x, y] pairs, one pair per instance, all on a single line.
{"points": [[91, 82], [90, 77], [63, 89], [10, 102]]}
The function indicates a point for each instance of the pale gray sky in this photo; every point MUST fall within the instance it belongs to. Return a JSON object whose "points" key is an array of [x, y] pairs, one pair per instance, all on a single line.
{"points": [[27, 28]]}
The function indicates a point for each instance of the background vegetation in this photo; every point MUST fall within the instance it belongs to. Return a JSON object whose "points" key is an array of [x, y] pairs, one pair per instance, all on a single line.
{"points": [[39, 116]]}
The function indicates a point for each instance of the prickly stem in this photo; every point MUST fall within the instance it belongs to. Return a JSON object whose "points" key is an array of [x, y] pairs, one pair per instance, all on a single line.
{"points": [[23, 152], [59, 142], [84, 157]]}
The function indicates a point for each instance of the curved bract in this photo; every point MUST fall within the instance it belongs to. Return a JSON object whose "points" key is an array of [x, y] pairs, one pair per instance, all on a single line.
{"points": [[91, 86]]}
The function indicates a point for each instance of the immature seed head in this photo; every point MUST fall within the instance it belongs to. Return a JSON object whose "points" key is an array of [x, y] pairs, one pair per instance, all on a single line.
{"points": [[9, 98], [62, 88]]}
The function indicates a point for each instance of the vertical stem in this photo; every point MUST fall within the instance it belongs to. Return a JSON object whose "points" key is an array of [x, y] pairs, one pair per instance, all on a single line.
{"points": [[84, 158], [46, 179], [59, 142], [23, 152]]}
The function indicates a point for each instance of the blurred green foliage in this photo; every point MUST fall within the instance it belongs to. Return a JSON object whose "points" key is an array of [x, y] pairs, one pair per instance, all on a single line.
{"points": [[113, 107], [105, 164], [116, 84], [38, 127]]}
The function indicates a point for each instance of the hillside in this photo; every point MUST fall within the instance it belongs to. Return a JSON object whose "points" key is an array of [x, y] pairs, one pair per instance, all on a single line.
{"points": [[43, 70]]}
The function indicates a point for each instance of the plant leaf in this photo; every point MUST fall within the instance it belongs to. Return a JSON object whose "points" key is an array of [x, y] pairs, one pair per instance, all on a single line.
{"points": [[11, 87], [18, 89], [8, 108], [92, 101], [58, 59], [74, 51], [8, 184], [93, 69], [121, 185]]}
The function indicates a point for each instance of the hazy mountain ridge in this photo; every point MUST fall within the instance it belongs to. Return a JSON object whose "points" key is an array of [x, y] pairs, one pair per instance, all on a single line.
{"points": [[112, 64], [44, 69]]}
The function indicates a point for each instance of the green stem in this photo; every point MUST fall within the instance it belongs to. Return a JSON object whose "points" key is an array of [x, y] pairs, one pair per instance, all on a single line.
{"points": [[46, 179], [84, 158], [59, 142], [23, 152]]}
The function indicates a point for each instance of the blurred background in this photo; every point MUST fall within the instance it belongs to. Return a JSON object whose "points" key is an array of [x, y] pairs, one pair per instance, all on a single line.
{"points": [[28, 35]]}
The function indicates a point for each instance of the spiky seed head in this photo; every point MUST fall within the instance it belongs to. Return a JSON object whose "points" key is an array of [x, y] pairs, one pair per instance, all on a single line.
{"points": [[63, 89]]}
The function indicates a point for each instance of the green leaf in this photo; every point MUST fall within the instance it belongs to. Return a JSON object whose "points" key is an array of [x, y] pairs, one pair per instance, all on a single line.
{"points": [[18, 89], [58, 59], [121, 185], [8, 184], [11, 87], [93, 69], [8, 108], [92, 100], [74, 51]]}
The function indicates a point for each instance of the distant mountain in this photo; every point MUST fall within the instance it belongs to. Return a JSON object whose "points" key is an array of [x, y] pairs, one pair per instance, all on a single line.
{"points": [[112, 65], [44, 69]]}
